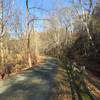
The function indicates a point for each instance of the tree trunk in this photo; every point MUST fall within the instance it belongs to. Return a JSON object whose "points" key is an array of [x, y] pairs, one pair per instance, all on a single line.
{"points": [[28, 37], [1, 36]]}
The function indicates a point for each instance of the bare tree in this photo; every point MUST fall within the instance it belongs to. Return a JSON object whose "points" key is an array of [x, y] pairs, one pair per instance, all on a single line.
{"points": [[28, 35], [5, 15]]}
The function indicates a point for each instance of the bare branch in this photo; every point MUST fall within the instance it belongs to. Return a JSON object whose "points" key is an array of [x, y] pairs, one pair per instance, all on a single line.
{"points": [[37, 19], [39, 9]]}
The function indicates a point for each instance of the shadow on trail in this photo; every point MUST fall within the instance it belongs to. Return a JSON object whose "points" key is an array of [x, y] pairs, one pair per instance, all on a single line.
{"points": [[32, 84]]}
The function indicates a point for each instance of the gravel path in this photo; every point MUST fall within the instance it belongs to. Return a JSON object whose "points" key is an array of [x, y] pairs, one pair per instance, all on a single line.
{"points": [[33, 84]]}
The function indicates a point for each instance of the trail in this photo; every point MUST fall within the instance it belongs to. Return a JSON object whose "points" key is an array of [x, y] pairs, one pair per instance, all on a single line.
{"points": [[40, 83], [45, 81]]}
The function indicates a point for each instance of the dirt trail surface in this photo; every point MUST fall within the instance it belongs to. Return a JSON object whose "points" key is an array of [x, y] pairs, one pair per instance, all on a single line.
{"points": [[40, 83]]}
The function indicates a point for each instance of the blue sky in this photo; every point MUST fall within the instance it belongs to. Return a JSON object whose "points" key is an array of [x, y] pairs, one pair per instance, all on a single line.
{"points": [[45, 4]]}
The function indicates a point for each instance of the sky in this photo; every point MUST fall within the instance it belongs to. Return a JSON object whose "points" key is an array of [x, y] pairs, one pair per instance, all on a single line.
{"points": [[45, 4]]}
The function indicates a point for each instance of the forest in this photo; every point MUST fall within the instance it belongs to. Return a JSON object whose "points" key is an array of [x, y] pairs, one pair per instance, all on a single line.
{"points": [[49, 49]]}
